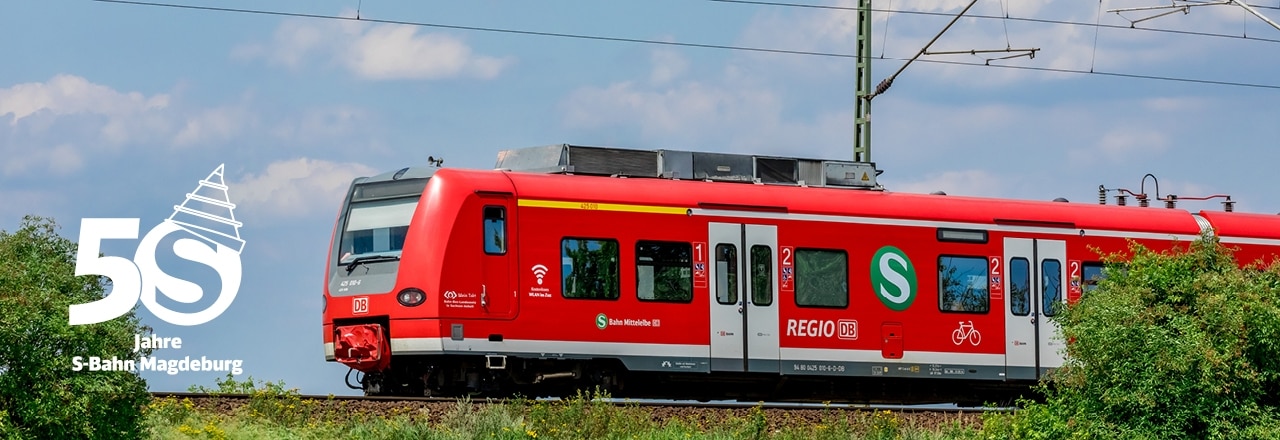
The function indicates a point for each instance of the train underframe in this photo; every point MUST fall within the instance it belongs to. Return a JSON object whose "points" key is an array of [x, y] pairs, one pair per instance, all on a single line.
{"points": [[502, 376]]}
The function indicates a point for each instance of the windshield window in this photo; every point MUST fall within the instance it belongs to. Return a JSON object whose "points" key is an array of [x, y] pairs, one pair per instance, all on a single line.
{"points": [[377, 228]]}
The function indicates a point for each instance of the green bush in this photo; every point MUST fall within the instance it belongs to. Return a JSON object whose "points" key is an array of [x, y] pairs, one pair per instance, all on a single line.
{"points": [[1170, 345], [40, 393]]}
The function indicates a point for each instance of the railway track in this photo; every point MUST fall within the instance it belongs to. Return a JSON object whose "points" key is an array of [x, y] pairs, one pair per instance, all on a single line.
{"points": [[646, 403]]}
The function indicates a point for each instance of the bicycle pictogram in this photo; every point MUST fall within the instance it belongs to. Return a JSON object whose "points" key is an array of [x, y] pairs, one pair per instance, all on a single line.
{"points": [[966, 331]]}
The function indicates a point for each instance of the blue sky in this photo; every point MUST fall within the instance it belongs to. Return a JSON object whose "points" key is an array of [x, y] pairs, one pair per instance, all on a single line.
{"points": [[115, 110]]}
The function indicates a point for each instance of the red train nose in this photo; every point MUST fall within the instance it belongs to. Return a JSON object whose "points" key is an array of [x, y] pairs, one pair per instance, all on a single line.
{"points": [[363, 347]]}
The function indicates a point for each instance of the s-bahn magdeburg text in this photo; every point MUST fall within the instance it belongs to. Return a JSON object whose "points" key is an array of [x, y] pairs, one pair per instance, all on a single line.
{"points": [[171, 366]]}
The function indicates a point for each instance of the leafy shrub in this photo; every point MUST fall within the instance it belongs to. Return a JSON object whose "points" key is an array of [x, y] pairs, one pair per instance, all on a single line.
{"points": [[1171, 345], [42, 396]]}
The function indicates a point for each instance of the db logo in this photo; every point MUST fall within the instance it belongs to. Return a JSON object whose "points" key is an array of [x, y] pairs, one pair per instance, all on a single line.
{"points": [[139, 279], [360, 305]]}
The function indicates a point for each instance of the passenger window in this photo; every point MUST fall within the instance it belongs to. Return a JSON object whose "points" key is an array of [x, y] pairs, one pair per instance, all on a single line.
{"points": [[663, 271], [962, 284], [589, 268], [761, 275], [1020, 287], [495, 230], [726, 274], [1052, 286], [1092, 274], [822, 278]]}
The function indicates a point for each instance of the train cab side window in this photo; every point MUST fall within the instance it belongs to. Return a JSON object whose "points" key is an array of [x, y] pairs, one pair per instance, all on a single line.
{"points": [[1092, 274], [1020, 287], [761, 275], [589, 268], [822, 278], [664, 271], [963, 284], [1051, 280], [495, 230], [726, 274]]}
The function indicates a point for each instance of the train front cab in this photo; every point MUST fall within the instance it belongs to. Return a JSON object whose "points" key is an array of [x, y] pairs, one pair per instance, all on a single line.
{"points": [[364, 285], [418, 258]]}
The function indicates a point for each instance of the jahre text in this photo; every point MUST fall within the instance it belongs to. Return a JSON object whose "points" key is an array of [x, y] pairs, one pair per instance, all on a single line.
{"points": [[153, 342]]}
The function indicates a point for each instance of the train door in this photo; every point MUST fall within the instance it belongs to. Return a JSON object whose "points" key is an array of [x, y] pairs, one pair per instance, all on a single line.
{"points": [[497, 291], [743, 290], [1035, 270]]}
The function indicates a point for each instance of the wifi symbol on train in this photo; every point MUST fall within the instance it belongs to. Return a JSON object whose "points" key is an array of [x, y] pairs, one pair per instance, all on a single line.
{"points": [[539, 271]]}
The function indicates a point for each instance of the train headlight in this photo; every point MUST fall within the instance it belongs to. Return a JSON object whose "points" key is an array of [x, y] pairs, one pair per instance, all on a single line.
{"points": [[411, 297]]}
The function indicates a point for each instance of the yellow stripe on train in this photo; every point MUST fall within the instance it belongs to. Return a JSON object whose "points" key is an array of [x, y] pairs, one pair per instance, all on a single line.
{"points": [[592, 206]]}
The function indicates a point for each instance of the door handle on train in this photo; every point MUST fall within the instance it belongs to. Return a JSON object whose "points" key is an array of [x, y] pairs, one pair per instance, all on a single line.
{"points": [[484, 297]]}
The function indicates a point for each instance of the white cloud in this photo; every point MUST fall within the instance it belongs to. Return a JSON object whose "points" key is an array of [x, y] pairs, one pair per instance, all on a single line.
{"points": [[61, 160], [398, 52], [295, 188], [377, 52], [667, 65], [215, 124], [729, 112], [1132, 143], [69, 94], [319, 124], [957, 183]]}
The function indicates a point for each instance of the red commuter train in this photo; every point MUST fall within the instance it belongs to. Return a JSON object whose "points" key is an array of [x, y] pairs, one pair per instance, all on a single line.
{"points": [[668, 274]]}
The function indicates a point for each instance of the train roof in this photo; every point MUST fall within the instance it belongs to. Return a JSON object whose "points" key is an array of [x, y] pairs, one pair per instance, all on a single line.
{"points": [[739, 182], [875, 204]]}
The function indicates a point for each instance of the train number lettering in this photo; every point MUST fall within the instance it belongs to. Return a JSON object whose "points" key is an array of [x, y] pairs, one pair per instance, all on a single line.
{"points": [[812, 328], [591, 206]]}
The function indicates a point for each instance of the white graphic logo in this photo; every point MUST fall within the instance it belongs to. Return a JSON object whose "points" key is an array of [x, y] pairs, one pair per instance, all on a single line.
{"points": [[966, 331], [207, 213], [539, 271], [360, 305]]}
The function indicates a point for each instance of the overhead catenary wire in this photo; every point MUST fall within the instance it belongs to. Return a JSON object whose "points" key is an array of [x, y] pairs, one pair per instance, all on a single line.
{"points": [[996, 17], [684, 44]]}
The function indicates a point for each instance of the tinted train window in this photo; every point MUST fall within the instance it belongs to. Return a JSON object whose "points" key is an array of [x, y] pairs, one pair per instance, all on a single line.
{"points": [[1020, 287], [1052, 286], [962, 284], [1092, 274], [589, 268], [663, 271], [822, 278], [761, 275], [377, 228], [726, 274], [495, 230]]}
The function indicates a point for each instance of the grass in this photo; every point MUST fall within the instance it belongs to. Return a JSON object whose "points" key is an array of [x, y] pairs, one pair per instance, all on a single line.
{"points": [[273, 412]]}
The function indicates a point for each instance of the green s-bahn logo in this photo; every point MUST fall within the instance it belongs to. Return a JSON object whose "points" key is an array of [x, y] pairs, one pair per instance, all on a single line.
{"points": [[602, 321], [893, 278]]}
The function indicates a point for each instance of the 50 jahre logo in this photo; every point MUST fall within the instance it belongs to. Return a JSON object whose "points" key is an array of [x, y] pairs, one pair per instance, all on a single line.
{"points": [[207, 215]]}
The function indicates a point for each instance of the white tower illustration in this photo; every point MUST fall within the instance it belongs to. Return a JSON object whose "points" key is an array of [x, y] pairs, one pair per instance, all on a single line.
{"points": [[208, 213]]}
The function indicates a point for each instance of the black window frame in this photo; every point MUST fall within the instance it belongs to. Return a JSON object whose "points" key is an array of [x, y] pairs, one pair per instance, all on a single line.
{"points": [[1088, 284], [1048, 307], [800, 270], [732, 274], [685, 263], [768, 282], [616, 268], [501, 219], [946, 307], [1026, 301]]}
